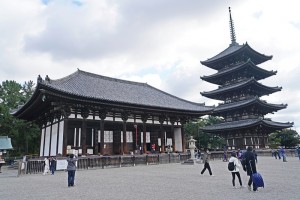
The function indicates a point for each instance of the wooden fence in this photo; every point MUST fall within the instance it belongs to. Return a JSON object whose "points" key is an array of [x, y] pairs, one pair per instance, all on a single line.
{"points": [[36, 166]]}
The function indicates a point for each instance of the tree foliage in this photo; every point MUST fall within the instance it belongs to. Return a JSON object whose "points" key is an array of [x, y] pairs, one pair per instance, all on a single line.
{"points": [[24, 135], [287, 138], [204, 140]]}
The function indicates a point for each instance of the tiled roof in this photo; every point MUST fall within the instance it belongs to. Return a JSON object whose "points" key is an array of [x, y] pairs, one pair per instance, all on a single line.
{"points": [[239, 85], [97, 87], [238, 104], [231, 49], [246, 123], [214, 78], [255, 56]]}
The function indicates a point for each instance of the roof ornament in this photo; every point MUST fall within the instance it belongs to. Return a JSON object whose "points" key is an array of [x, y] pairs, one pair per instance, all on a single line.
{"points": [[47, 79], [232, 31], [39, 79]]}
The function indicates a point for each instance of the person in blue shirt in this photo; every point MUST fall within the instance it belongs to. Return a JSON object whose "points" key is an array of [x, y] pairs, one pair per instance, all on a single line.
{"points": [[298, 151]]}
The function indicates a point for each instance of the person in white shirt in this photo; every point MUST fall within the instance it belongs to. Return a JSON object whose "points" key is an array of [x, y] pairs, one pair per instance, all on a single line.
{"points": [[236, 171]]}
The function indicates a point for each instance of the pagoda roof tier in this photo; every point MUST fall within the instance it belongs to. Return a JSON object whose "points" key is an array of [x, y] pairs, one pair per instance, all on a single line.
{"points": [[92, 89], [232, 51], [245, 124], [260, 89], [253, 70], [246, 103]]}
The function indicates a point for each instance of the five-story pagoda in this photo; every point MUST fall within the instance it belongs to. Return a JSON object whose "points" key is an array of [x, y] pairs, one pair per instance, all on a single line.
{"points": [[242, 109]]}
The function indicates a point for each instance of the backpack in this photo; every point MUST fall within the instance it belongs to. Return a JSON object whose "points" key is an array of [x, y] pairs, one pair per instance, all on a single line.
{"points": [[231, 166]]}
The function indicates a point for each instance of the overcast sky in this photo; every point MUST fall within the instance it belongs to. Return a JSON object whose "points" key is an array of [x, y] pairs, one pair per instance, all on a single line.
{"points": [[160, 42]]}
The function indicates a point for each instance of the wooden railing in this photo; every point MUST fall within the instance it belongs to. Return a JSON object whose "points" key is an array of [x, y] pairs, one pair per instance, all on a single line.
{"points": [[35, 166]]}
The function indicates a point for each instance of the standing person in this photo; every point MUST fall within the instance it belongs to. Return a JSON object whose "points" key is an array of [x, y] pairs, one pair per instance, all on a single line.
{"points": [[279, 153], [236, 171], [46, 166], [298, 151], [205, 158], [255, 155], [1, 161], [249, 166], [71, 168], [282, 152], [52, 165]]}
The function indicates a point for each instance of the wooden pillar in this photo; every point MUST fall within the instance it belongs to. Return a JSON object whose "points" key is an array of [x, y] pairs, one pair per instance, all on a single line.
{"points": [[66, 113], [183, 121], [172, 120], [65, 136], [124, 116], [84, 114], [102, 116], [144, 120], [96, 150], [162, 133], [57, 137], [83, 136]]}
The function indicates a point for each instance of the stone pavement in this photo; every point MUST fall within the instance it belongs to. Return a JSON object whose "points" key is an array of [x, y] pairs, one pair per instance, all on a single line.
{"points": [[164, 181]]}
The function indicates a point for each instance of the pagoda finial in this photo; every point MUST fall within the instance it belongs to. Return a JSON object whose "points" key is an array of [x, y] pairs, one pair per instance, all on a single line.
{"points": [[232, 32]]}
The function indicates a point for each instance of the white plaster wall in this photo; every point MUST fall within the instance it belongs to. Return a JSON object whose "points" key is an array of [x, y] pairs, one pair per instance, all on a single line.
{"points": [[47, 141], [61, 136], [53, 140], [178, 139], [42, 142]]}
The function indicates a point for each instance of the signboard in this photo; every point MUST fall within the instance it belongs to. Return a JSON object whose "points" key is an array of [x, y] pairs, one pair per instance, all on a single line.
{"points": [[61, 164]]}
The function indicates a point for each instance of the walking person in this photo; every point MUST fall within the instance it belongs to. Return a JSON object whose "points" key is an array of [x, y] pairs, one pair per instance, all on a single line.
{"points": [[249, 165], [298, 151], [282, 152], [46, 166], [236, 170], [255, 155], [52, 165], [71, 168], [205, 158]]}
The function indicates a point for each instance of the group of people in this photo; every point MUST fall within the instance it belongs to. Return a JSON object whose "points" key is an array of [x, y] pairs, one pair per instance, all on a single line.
{"points": [[280, 153], [247, 162], [50, 166]]}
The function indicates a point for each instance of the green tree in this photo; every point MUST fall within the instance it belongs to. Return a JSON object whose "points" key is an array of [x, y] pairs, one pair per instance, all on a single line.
{"points": [[287, 138], [24, 135], [204, 140]]}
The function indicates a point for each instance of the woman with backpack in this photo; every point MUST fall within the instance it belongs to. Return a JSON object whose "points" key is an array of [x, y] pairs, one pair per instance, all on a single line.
{"points": [[234, 166]]}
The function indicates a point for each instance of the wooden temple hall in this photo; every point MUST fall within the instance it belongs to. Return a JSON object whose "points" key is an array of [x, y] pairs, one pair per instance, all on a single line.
{"points": [[94, 114]]}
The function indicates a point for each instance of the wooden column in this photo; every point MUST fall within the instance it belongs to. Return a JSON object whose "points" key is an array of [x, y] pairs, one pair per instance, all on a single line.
{"points": [[172, 120], [96, 150], [66, 113], [144, 120], [162, 132], [84, 114], [102, 116], [183, 121], [65, 136], [124, 116]]}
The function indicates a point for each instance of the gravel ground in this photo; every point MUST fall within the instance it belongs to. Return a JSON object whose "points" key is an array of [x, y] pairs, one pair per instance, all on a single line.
{"points": [[164, 181]]}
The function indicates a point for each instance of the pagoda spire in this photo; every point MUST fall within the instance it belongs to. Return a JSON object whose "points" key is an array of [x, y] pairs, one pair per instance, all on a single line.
{"points": [[232, 31]]}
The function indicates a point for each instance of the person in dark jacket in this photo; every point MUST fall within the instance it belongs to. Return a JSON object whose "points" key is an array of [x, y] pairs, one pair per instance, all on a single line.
{"points": [[206, 162], [249, 165], [52, 165], [71, 168]]}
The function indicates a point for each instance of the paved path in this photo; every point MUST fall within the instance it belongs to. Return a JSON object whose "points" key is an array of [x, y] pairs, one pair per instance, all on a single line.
{"points": [[165, 182]]}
